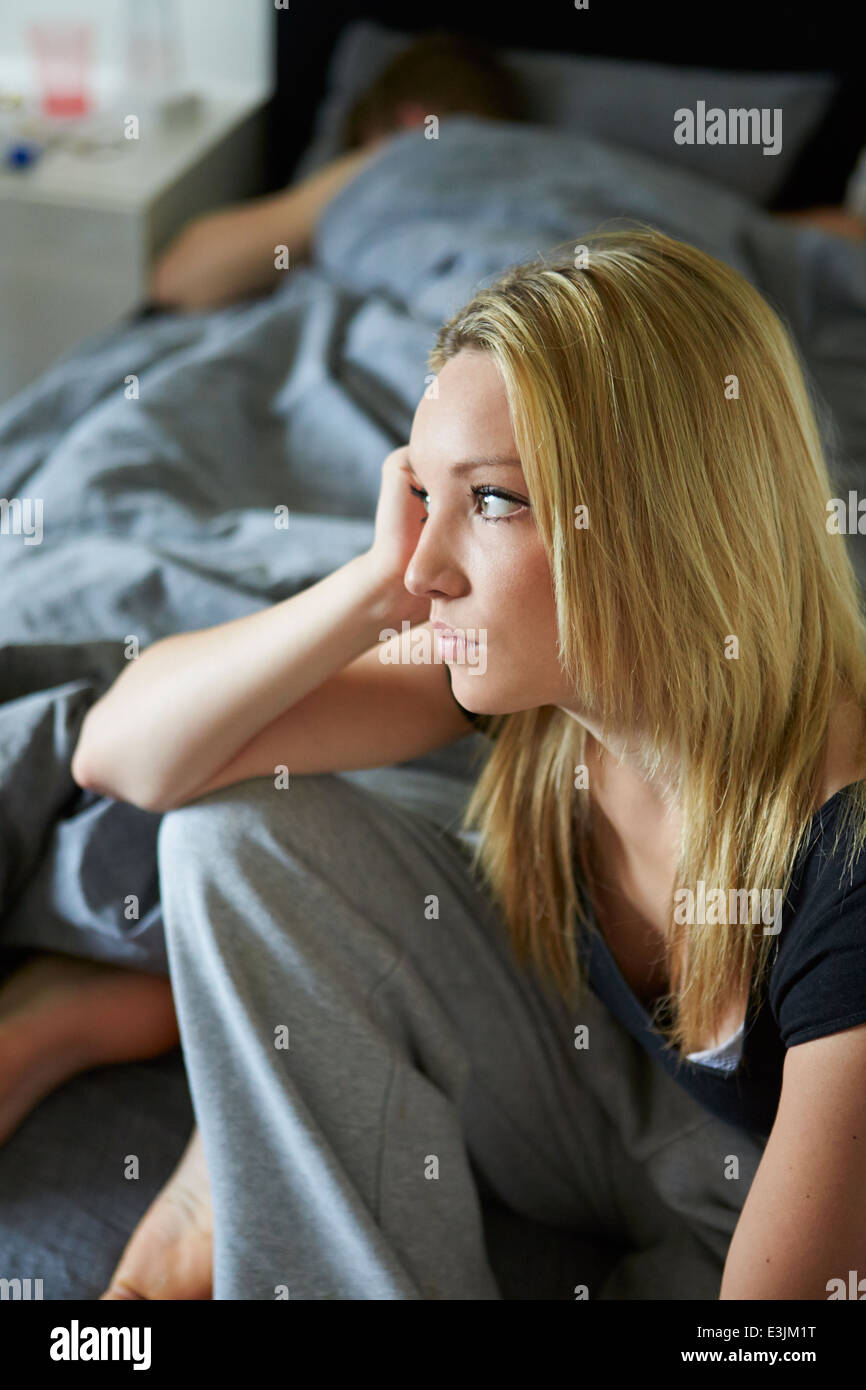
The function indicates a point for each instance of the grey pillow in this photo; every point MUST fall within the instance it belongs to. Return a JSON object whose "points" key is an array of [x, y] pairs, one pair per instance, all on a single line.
{"points": [[621, 102]]}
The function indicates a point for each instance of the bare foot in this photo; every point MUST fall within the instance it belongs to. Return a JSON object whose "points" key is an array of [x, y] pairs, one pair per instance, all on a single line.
{"points": [[170, 1253], [60, 1016]]}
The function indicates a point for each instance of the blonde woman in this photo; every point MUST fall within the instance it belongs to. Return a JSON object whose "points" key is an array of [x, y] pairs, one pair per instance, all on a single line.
{"points": [[616, 500]]}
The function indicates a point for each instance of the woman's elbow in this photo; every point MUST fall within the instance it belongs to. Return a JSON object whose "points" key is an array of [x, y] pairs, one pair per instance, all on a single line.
{"points": [[94, 770], [88, 779]]}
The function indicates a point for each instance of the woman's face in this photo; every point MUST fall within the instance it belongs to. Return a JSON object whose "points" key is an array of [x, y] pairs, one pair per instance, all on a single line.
{"points": [[479, 559]]}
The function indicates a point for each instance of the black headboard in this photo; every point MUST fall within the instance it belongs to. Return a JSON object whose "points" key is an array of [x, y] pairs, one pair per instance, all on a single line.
{"points": [[805, 36]]}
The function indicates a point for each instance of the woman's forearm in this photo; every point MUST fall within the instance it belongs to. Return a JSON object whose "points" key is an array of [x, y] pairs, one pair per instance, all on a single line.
{"points": [[189, 702]]}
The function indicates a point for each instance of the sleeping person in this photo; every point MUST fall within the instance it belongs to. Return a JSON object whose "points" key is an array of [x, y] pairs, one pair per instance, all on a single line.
{"points": [[225, 255]]}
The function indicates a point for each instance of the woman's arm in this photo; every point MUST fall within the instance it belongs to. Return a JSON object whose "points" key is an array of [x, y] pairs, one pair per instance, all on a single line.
{"points": [[378, 710], [191, 703], [803, 1224], [223, 255]]}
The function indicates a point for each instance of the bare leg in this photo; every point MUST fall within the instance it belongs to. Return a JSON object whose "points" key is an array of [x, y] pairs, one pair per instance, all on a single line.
{"points": [[60, 1016]]}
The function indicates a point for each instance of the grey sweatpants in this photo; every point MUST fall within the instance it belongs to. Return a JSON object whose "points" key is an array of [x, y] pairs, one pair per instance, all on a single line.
{"points": [[373, 1076]]}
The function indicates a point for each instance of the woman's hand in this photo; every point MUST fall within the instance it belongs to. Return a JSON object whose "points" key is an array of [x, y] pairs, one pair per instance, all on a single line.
{"points": [[399, 518]]}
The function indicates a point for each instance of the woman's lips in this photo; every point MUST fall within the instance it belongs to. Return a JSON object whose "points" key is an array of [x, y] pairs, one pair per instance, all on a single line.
{"points": [[454, 644]]}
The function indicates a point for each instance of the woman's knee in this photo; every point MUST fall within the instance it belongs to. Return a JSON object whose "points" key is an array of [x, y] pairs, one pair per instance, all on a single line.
{"points": [[248, 862], [210, 828]]}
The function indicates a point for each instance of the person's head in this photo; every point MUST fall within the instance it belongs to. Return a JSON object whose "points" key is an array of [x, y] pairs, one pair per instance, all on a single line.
{"points": [[671, 582], [438, 74]]}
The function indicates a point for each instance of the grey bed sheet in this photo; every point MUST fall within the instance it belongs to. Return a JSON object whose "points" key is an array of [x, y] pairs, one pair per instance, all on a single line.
{"points": [[159, 452]]}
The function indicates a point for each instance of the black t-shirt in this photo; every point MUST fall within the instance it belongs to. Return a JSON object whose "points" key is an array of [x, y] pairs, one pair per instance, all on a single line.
{"points": [[816, 983]]}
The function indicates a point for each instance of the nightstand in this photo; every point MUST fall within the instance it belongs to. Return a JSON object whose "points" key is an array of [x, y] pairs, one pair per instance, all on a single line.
{"points": [[79, 232]]}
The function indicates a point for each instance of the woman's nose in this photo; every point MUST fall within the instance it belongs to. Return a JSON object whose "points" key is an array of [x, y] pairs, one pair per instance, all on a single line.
{"points": [[431, 569]]}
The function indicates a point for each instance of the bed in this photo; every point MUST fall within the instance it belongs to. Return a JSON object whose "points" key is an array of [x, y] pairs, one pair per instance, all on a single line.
{"points": [[158, 504]]}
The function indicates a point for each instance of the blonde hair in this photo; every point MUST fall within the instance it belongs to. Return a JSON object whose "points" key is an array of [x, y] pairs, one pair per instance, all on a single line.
{"points": [[706, 520]]}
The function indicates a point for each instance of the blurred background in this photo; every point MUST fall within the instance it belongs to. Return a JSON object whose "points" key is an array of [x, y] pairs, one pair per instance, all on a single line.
{"points": [[122, 120], [87, 200]]}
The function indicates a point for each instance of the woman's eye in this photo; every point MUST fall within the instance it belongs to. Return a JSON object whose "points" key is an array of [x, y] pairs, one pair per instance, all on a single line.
{"points": [[419, 492], [486, 495], [503, 507]]}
